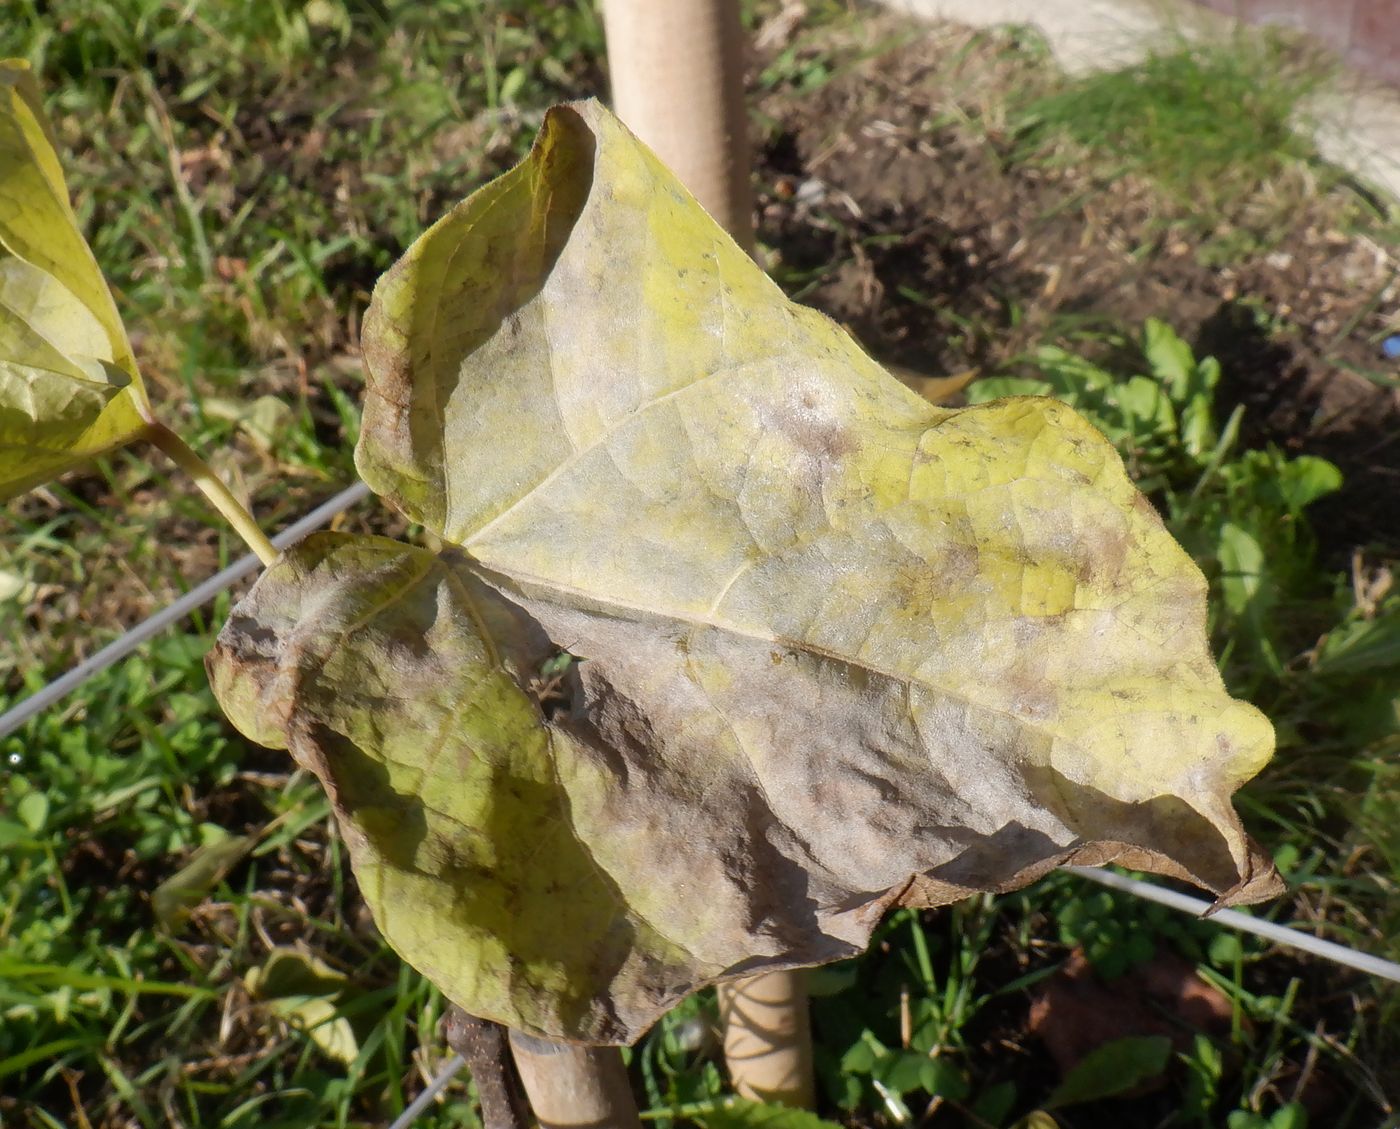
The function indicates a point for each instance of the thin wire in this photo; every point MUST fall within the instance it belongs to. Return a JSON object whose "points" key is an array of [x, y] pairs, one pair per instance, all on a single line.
{"points": [[118, 649], [425, 1099], [1281, 934]]}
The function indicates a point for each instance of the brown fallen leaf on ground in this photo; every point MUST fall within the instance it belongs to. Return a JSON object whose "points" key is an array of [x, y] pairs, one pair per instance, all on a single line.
{"points": [[934, 389], [1077, 1011]]}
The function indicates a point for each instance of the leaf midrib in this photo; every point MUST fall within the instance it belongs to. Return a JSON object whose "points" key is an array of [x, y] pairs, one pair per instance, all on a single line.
{"points": [[632, 613]]}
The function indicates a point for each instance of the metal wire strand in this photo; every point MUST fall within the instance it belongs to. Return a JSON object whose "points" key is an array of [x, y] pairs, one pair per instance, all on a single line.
{"points": [[1233, 919], [197, 597], [115, 651], [426, 1098]]}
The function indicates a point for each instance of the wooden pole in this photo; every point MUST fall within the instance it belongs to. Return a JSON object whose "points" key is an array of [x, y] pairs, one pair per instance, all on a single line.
{"points": [[677, 70], [768, 1038], [573, 1087]]}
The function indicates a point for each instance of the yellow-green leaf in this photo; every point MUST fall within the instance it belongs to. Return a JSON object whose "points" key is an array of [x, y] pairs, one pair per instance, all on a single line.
{"points": [[839, 648], [174, 899], [291, 972], [69, 389], [305, 991]]}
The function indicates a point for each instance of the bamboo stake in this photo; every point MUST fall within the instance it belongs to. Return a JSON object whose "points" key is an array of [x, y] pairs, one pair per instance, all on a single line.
{"points": [[573, 1087], [677, 82], [677, 72], [768, 1038]]}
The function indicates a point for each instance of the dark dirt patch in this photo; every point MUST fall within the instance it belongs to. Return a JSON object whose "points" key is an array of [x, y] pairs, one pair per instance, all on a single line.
{"points": [[901, 202]]}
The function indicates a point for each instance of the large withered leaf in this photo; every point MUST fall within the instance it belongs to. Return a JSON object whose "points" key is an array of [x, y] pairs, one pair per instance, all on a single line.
{"points": [[842, 648], [69, 389]]}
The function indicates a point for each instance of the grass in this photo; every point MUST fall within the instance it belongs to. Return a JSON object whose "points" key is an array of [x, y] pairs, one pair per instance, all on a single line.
{"points": [[1221, 114], [124, 1019], [1220, 128], [181, 942], [246, 172], [1214, 124]]}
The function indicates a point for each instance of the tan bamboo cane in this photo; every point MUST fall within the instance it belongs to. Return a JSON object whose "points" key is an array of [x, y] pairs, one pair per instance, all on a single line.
{"points": [[677, 82], [676, 68], [572, 1087]]}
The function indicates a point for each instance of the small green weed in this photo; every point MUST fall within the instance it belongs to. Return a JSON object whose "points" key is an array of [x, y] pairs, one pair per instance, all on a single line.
{"points": [[1290, 1116], [1119, 934], [112, 1016]]}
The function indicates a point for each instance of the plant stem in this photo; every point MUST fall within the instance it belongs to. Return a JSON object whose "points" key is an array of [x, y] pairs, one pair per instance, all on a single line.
{"points": [[218, 494], [483, 1044]]}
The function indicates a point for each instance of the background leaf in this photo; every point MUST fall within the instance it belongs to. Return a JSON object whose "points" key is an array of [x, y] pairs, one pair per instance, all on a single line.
{"points": [[173, 899], [1114, 1068], [69, 389], [739, 1113], [305, 991]]}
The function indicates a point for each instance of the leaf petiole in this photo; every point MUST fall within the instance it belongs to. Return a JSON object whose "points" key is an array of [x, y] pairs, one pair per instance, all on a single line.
{"points": [[219, 495]]}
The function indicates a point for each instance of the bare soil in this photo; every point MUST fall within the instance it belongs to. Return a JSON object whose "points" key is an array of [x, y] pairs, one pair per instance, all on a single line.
{"points": [[902, 193]]}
